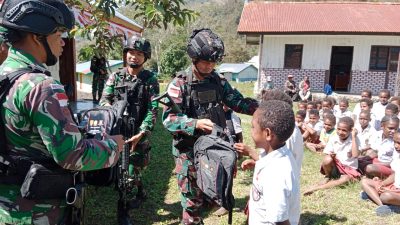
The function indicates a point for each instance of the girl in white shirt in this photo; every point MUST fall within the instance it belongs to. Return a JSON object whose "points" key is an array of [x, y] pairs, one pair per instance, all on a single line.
{"points": [[386, 192]]}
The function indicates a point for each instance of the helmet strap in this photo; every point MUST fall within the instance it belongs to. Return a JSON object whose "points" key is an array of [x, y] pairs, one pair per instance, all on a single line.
{"points": [[197, 70], [51, 59]]}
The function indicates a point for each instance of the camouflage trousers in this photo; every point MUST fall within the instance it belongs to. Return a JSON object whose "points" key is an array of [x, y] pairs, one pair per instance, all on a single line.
{"points": [[17, 210], [139, 160], [191, 195], [98, 84]]}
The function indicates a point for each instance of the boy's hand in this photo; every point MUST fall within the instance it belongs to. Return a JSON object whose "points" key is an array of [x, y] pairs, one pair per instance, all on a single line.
{"points": [[243, 149], [354, 132], [248, 164]]}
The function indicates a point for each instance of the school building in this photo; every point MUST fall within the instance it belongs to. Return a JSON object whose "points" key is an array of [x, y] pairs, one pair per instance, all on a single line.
{"points": [[351, 46]]}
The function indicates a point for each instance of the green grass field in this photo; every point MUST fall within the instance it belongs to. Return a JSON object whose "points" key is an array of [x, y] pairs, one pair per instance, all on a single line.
{"points": [[335, 206]]}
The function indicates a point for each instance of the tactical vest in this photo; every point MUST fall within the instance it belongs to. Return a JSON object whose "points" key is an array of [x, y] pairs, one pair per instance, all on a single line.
{"points": [[137, 93], [203, 100]]}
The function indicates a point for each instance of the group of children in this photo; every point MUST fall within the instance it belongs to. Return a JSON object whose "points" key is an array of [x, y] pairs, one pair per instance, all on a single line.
{"points": [[362, 143], [352, 143]]}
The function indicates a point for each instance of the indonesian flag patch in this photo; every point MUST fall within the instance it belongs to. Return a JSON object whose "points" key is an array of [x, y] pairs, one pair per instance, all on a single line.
{"points": [[62, 99]]}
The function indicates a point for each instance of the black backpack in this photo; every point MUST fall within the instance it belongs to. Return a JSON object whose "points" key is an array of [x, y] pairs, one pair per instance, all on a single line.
{"points": [[215, 162], [94, 122]]}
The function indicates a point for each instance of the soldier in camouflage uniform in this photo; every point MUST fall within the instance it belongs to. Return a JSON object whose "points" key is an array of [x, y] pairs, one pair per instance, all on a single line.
{"points": [[99, 70], [38, 124], [197, 94], [141, 87]]}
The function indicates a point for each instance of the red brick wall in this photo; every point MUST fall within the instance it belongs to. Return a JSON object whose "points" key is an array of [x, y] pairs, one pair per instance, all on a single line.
{"points": [[374, 80], [279, 77]]}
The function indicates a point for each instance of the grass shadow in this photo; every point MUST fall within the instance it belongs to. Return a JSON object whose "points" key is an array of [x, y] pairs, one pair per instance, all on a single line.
{"points": [[321, 219]]}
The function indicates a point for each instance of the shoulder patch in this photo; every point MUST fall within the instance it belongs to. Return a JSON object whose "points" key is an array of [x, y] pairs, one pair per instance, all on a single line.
{"points": [[62, 99]]}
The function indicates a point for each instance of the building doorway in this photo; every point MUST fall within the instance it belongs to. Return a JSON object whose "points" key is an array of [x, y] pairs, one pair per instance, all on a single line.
{"points": [[340, 68]]}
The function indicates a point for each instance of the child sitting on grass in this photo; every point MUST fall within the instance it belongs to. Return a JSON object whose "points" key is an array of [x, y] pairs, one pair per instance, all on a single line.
{"points": [[365, 132], [380, 154], [299, 119], [302, 105], [343, 109], [391, 109], [386, 193], [340, 162], [329, 130], [275, 193], [312, 128]]}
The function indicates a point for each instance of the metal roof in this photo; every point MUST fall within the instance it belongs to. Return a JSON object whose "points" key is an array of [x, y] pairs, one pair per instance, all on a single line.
{"points": [[85, 66], [320, 18], [233, 67]]}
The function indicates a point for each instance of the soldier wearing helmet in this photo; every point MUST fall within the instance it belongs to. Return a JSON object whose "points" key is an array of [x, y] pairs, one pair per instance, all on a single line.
{"points": [[141, 87], [200, 94], [38, 126]]}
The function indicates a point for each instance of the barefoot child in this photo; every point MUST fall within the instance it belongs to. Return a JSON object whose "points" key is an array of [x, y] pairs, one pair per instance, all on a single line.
{"points": [[275, 193], [385, 193], [340, 160]]}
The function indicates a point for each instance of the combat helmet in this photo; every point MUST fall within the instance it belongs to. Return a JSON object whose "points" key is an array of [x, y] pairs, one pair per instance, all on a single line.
{"points": [[36, 16], [206, 45], [138, 43], [40, 17]]}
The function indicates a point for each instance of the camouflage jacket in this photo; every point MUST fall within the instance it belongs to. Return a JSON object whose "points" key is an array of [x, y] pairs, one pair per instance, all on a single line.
{"points": [[38, 124], [179, 123], [115, 79]]}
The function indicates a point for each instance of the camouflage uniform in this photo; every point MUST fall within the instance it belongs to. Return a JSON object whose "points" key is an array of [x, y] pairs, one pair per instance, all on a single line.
{"points": [[38, 124], [139, 159], [99, 70], [181, 124]]}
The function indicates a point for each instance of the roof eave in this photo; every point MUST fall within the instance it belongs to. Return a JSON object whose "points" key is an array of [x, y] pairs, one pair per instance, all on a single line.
{"points": [[252, 33]]}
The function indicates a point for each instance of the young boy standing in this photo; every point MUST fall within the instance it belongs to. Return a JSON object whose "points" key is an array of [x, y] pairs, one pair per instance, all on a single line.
{"points": [[275, 193]]}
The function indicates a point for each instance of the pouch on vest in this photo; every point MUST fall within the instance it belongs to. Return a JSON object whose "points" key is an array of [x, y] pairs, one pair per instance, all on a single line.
{"points": [[43, 182], [215, 162]]}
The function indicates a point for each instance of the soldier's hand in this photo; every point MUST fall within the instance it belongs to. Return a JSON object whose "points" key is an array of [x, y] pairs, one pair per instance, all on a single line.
{"points": [[205, 125], [134, 140], [119, 139]]}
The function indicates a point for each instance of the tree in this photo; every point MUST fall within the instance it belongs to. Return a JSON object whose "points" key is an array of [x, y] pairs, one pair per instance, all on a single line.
{"points": [[152, 13], [172, 60]]}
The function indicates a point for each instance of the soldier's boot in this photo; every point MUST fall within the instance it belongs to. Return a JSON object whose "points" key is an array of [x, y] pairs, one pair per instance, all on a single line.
{"points": [[100, 93], [123, 214], [94, 97]]}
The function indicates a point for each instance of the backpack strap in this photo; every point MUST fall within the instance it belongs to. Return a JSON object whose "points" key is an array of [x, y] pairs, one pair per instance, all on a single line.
{"points": [[6, 82]]}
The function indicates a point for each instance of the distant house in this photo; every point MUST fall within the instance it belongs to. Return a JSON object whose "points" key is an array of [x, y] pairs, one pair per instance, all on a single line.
{"points": [[84, 76], [239, 72], [351, 46]]}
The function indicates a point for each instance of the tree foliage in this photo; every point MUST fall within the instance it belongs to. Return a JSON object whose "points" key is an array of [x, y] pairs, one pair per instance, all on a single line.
{"points": [[173, 60], [152, 13]]}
